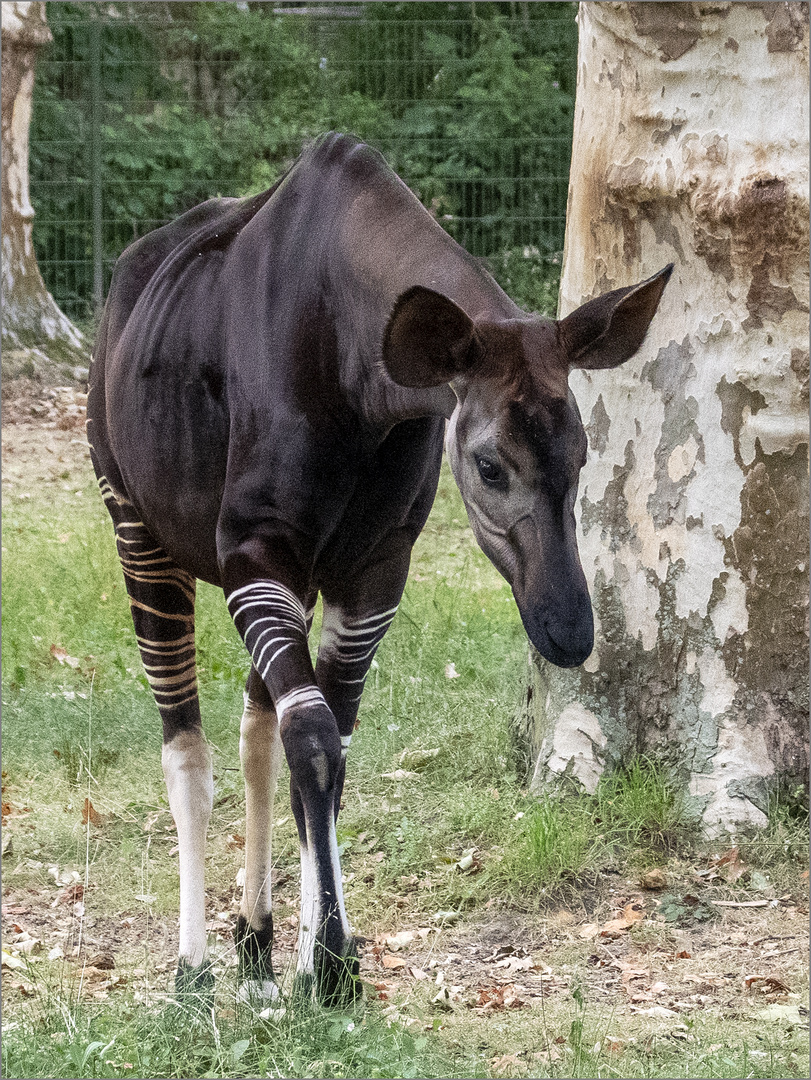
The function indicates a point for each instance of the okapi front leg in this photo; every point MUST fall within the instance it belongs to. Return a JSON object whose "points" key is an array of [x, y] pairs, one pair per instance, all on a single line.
{"points": [[273, 624], [260, 752], [349, 640], [327, 958], [357, 614]]}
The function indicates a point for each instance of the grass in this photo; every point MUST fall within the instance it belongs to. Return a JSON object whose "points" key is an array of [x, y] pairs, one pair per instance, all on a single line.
{"points": [[128, 1038], [463, 835]]}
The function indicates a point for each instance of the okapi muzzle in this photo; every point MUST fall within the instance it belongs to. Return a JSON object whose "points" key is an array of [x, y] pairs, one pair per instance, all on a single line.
{"points": [[551, 593]]}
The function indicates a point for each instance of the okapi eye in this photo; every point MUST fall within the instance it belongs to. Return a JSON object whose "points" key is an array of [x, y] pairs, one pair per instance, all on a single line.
{"points": [[489, 471]]}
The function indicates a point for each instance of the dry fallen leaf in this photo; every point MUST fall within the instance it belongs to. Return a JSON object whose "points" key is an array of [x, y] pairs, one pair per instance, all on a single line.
{"points": [[61, 655], [392, 962], [771, 984], [506, 1065], [90, 815], [13, 963], [71, 894], [395, 942], [632, 913], [730, 864]]}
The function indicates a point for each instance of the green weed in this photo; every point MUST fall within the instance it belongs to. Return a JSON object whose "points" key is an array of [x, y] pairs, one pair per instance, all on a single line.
{"points": [[642, 807], [551, 845]]}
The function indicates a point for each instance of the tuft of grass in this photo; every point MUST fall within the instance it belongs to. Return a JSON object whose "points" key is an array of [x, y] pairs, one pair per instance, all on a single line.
{"points": [[551, 845], [641, 806]]}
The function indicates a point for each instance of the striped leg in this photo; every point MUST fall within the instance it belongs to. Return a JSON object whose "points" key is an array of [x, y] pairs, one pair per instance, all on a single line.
{"points": [[273, 623], [350, 636], [162, 605], [357, 614], [260, 752]]}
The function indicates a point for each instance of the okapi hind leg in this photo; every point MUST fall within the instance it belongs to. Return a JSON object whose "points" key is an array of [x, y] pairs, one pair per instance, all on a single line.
{"points": [[260, 752], [162, 604]]}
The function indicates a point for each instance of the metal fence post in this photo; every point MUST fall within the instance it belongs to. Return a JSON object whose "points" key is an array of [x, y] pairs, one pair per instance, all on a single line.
{"points": [[95, 167]]}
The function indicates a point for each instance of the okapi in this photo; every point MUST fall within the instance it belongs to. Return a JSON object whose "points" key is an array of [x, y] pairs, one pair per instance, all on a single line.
{"points": [[266, 412]]}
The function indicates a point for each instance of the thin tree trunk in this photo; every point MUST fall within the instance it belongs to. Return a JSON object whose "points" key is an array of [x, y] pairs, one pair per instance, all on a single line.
{"points": [[691, 145], [37, 337]]}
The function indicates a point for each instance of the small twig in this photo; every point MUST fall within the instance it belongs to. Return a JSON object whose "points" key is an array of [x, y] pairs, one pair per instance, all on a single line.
{"points": [[741, 903]]}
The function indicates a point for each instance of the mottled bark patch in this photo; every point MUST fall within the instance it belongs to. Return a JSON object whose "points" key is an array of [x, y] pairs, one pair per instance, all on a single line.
{"points": [[667, 374], [674, 28], [786, 26], [716, 251], [598, 427], [799, 365], [770, 551], [765, 301], [611, 512], [736, 398]]}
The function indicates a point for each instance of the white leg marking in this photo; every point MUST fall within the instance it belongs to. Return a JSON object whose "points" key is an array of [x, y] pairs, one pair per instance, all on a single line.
{"points": [[337, 885], [187, 769], [302, 697], [260, 752], [312, 914], [308, 924]]}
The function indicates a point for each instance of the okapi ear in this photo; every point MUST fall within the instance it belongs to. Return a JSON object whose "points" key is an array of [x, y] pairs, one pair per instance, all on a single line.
{"points": [[428, 340], [607, 331]]}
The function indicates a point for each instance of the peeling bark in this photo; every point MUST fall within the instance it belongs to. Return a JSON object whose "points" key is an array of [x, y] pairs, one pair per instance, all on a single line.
{"points": [[694, 504], [36, 333]]}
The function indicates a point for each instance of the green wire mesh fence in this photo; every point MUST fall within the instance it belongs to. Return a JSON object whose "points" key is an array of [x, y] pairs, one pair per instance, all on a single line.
{"points": [[142, 110]]}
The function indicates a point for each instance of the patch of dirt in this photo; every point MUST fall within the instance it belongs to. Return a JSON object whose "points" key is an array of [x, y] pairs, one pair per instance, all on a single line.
{"points": [[43, 434], [741, 962]]}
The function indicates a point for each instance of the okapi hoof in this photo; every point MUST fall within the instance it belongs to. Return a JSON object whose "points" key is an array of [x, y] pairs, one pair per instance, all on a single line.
{"points": [[194, 986], [336, 982]]}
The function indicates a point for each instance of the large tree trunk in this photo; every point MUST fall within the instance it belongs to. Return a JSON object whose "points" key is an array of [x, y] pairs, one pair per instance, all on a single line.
{"points": [[37, 337], [691, 145]]}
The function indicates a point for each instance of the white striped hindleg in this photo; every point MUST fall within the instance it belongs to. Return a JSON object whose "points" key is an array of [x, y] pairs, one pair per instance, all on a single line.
{"points": [[187, 770]]}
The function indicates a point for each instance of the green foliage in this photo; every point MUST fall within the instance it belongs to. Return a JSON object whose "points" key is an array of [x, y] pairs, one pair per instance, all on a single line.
{"points": [[184, 101], [643, 807], [553, 844], [128, 1038]]}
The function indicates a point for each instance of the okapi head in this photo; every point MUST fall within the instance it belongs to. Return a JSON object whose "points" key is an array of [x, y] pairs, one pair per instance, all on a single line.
{"points": [[516, 441]]}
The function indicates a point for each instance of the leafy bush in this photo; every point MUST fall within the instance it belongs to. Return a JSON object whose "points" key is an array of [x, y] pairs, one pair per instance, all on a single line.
{"points": [[178, 102]]}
